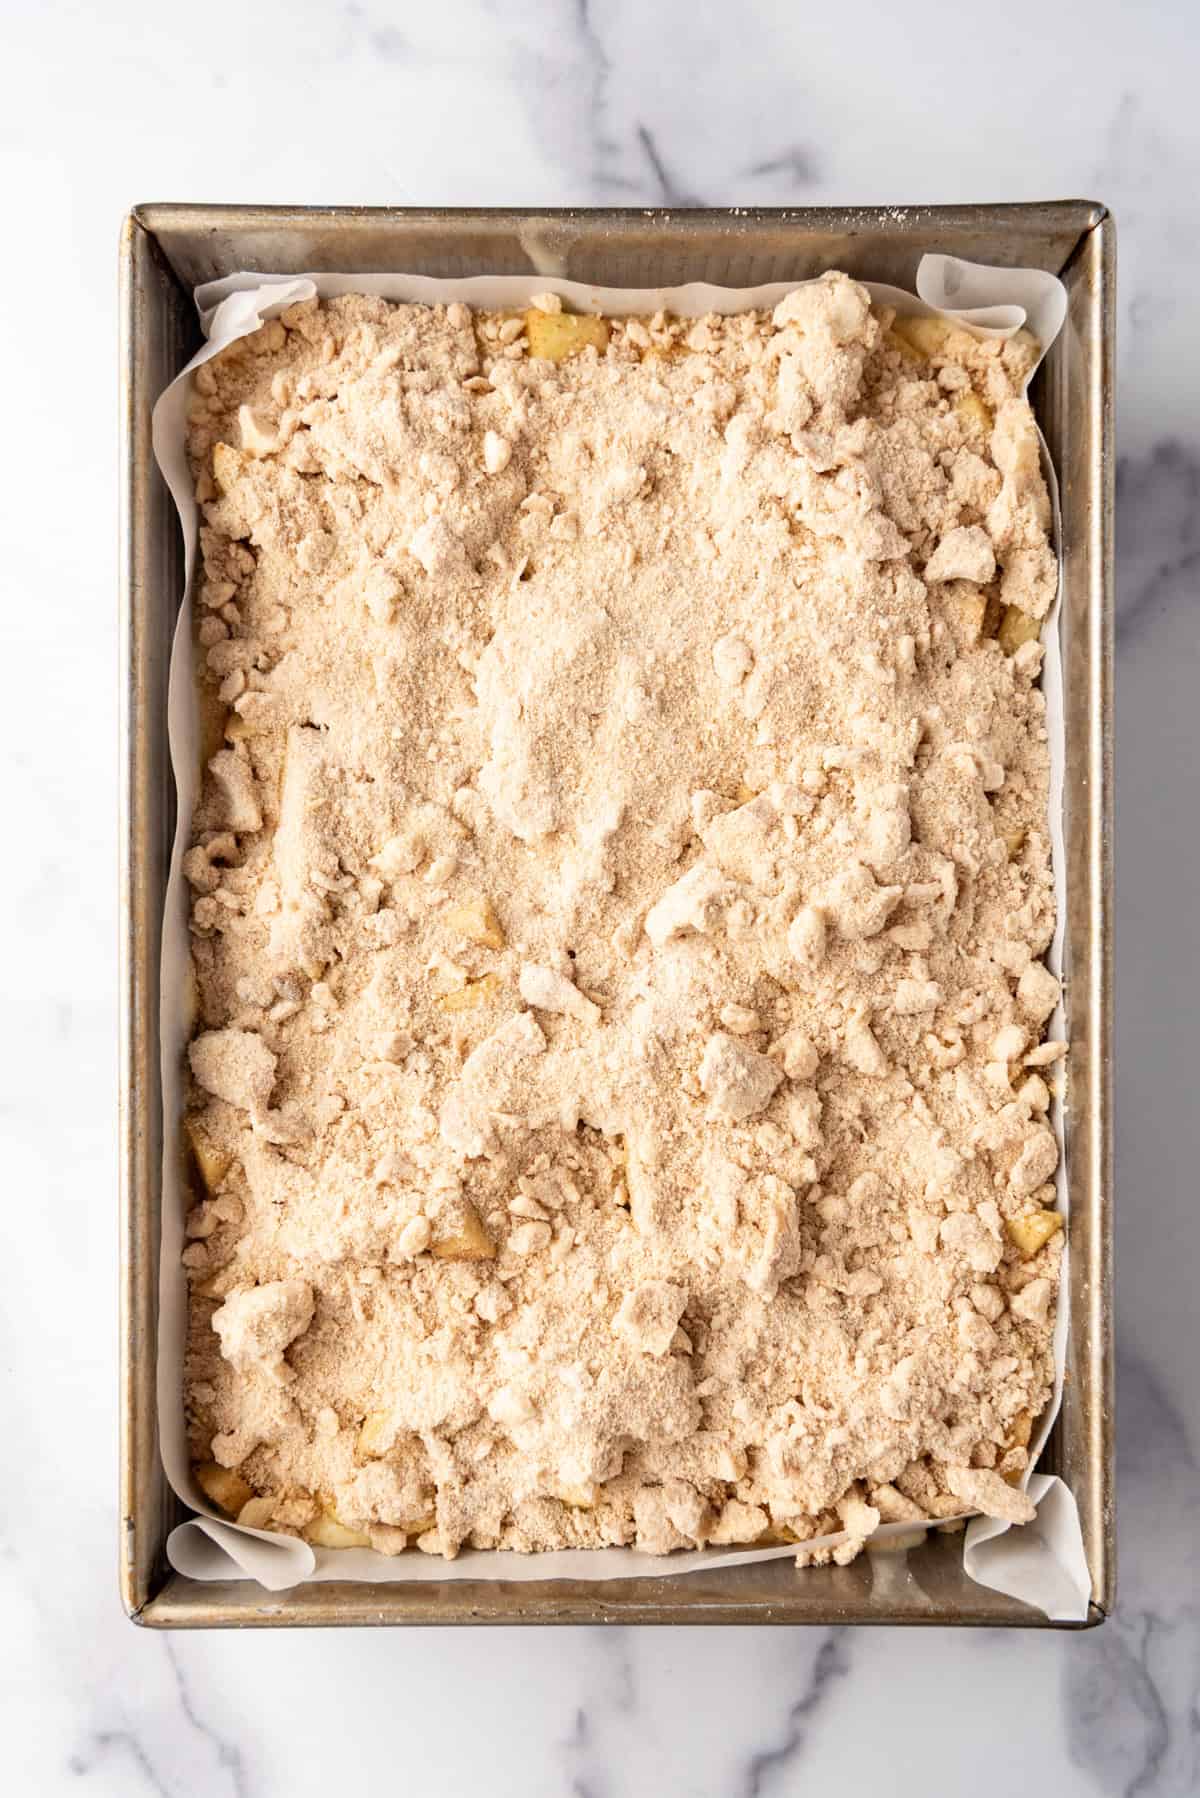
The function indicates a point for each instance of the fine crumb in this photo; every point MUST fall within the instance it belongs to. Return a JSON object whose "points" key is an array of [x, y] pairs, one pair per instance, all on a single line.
{"points": [[618, 891]]}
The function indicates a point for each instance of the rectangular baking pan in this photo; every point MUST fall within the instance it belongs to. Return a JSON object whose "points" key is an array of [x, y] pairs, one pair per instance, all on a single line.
{"points": [[165, 251]]}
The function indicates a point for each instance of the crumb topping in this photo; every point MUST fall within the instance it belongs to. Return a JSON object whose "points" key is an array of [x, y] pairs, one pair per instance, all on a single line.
{"points": [[619, 889]]}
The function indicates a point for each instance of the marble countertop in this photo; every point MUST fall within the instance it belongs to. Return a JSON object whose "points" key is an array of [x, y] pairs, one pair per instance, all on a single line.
{"points": [[565, 102]]}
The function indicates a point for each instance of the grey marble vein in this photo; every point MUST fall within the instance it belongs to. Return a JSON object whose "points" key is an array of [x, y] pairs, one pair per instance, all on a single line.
{"points": [[1133, 1688], [98, 1758], [161, 1739], [670, 191], [1158, 535], [228, 1754], [612, 1697], [594, 72], [797, 164], [831, 1663], [381, 38]]}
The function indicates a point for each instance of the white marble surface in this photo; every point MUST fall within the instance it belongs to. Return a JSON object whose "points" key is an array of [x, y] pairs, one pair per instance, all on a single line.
{"points": [[553, 102]]}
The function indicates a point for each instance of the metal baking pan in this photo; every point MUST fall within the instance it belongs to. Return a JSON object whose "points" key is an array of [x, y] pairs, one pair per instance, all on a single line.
{"points": [[165, 251]]}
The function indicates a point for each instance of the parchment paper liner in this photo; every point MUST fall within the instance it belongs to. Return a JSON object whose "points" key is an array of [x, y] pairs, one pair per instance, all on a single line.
{"points": [[1041, 1563]]}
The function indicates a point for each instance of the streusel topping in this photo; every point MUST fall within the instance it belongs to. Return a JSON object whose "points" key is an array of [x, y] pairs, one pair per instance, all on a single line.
{"points": [[620, 885]]}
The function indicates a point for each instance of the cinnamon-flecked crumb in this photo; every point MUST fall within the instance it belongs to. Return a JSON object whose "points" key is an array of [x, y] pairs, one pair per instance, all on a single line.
{"points": [[620, 885]]}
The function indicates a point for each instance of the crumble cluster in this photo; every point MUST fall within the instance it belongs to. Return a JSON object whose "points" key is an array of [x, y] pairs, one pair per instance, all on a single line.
{"points": [[618, 1107]]}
